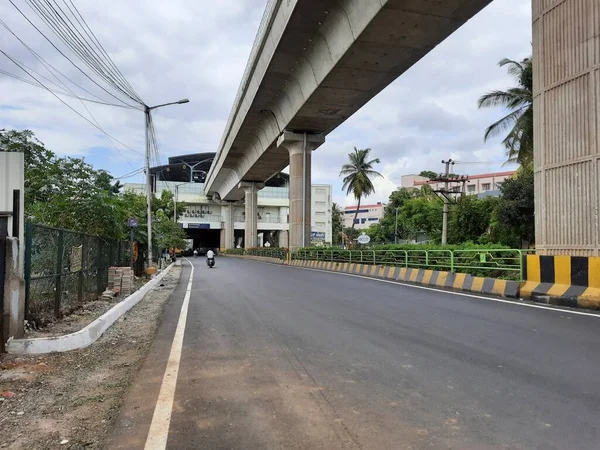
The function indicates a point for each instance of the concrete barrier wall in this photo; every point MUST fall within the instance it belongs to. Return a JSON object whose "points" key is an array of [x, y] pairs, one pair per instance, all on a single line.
{"points": [[563, 280]]}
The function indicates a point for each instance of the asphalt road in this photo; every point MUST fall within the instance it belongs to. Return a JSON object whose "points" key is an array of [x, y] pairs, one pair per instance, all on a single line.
{"points": [[285, 358]]}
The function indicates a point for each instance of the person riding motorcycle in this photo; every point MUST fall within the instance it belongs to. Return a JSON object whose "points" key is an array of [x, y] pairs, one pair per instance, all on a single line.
{"points": [[210, 255], [195, 253]]}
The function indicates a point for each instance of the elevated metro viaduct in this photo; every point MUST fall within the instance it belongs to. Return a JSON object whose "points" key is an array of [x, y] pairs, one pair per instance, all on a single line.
{"points": [[314, 64]]}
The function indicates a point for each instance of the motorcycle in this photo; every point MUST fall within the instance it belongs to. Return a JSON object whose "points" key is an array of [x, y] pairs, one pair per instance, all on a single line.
{"points": [[210, 262]]}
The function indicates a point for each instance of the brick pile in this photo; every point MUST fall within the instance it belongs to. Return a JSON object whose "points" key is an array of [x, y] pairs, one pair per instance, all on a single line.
{"points": [[120, 280]]}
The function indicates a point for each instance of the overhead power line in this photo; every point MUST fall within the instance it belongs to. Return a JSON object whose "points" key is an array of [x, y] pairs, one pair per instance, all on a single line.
{"points": [[63, 27], [53, 71], [65, 103], [101, 48], [66, 57], [56, 91], [131, 174]]}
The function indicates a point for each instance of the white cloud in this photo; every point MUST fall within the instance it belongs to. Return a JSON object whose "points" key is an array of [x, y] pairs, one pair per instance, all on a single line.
{"points": [[198, 49]]}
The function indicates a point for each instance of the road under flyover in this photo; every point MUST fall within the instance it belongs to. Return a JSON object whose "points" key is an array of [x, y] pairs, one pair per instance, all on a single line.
{"points": [[277, 357]]}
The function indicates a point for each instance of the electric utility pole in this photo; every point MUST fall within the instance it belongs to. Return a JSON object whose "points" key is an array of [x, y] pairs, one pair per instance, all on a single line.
{"points": [[447, 178], [446, 203], [147, 110]]}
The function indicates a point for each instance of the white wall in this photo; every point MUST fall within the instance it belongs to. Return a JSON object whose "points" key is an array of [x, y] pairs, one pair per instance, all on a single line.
{"points": [[371, 214], [12, 169], [321, 203]]}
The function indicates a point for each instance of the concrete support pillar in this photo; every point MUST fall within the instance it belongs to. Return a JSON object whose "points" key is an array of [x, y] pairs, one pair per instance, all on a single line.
{"points": [[228, 227], [283, 239], [300, 147], [566, 111], [14, 291], [251, 205]]}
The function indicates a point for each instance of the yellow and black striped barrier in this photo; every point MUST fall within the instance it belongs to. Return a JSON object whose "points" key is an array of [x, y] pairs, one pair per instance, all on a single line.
{"points": [[434, 278], [562, 280]]}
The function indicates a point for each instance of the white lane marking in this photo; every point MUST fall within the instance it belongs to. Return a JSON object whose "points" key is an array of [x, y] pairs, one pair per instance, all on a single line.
{"points": [[509, 302], [159, 428]]}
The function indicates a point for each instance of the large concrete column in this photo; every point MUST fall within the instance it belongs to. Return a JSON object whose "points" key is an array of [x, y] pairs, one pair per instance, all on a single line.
{"points": [[228, 227], [251, 205], [566, 106], [283, 240], [300, 147]]}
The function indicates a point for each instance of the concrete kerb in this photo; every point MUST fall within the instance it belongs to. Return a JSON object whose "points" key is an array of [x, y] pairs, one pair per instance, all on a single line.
{"points": [[88, 335], [439, 279]]}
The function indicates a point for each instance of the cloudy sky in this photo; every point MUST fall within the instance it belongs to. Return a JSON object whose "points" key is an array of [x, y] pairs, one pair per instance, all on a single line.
{"points": [[198, 49]]}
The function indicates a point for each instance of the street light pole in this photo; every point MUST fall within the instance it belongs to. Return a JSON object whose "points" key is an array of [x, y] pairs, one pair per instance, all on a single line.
{"points": [[147, 110]]}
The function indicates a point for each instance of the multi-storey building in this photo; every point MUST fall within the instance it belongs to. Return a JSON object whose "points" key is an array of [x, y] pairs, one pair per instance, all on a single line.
{"points": [[203, 218], [367, 215], [482, 185]]}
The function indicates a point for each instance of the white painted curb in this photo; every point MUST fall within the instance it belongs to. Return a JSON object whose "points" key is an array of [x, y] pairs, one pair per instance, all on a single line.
{"points": [[86, 336]]}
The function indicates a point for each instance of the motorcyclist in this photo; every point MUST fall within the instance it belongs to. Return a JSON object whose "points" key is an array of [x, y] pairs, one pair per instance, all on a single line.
{"points": [[209, 255], [195, 253]]}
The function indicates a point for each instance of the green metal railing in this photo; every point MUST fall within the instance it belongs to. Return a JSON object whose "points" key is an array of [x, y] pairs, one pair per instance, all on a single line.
{"points": [[268, 253], [497, 263]]}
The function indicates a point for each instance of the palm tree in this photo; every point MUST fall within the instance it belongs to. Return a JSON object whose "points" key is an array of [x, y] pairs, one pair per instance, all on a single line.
{"points": [[519, 141], [357, 177]]}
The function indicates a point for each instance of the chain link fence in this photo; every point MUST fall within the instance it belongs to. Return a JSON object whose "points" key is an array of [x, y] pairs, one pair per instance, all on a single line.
{"points": [[64, 269]]}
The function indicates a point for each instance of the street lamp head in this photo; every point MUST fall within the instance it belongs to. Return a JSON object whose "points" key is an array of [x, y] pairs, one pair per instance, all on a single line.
{"points": [[183, 100]]}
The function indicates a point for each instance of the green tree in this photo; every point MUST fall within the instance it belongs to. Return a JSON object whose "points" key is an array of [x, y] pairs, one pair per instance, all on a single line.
{"points": [[519, 121], [428, 174], [337, 223], [357, 175], [422, 214], [167, 233], [470, 218], [514, 218], [77, 197], [385, 230], [39, 162]]}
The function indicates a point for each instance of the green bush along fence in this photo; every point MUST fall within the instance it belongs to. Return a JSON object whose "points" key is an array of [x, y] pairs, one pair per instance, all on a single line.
{"points": [[64, 269]]}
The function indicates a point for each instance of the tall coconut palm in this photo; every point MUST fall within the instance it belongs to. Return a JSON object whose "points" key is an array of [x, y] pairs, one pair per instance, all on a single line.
{"points": [[519, 122], [357, 175]]}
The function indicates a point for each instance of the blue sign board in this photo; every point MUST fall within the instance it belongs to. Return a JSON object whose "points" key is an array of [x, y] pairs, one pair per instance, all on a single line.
{"points": [[318, 236], [201, 226]]}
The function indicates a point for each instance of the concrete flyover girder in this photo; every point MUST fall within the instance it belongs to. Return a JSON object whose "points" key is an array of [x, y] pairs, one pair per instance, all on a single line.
{"points": [[314, 65]]}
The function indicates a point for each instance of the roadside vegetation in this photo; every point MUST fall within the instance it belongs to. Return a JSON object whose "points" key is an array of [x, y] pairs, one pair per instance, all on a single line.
{"points": [[66, 192]]}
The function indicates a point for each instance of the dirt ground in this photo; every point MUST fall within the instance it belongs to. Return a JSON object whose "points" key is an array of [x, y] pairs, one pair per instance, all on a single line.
{"points": [[79, 318], [69, 400]]}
